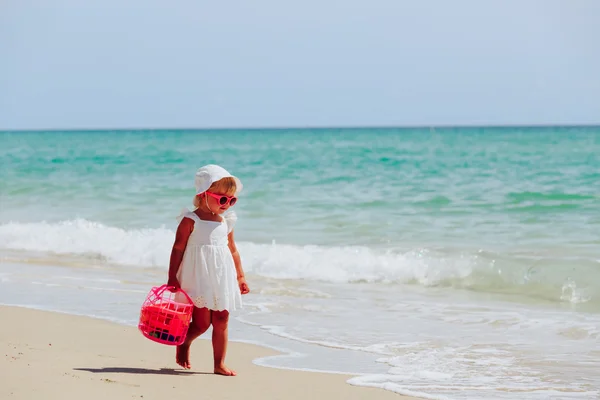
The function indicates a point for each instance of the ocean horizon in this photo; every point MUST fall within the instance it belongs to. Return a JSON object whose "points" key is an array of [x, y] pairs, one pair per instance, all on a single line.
{"points": [[445, 127]]}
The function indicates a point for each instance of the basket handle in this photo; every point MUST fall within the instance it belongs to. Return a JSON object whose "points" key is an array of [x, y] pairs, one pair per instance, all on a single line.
{"points": [[160, 290]]}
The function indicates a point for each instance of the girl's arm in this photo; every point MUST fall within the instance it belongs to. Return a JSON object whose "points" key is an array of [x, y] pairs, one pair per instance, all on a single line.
{"points": [[184, 230], [244, 289]]}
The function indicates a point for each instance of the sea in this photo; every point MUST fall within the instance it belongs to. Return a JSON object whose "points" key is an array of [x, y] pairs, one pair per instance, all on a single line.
{"points": [[442, 263]]}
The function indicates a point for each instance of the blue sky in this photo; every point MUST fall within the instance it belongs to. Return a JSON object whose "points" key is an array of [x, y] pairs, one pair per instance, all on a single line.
{"points": [[267, 63]]}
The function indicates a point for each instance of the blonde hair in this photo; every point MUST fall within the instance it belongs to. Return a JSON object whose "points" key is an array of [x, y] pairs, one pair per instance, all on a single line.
{"points": [[224, 186]]}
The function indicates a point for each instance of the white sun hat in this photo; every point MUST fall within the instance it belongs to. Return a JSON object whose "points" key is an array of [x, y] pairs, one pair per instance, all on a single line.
{"points": [[209, 174]]}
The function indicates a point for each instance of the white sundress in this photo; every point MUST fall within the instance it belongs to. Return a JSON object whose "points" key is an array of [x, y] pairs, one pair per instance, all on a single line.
{"points": [[207, 272]]}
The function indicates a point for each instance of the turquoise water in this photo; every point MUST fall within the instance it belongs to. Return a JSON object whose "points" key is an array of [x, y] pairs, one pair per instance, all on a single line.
{"points": [[522, 200], [356, 186], [499, 218]]}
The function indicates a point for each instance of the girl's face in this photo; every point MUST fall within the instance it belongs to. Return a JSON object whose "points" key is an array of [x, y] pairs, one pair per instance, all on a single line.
{"points": [[219, 202]]}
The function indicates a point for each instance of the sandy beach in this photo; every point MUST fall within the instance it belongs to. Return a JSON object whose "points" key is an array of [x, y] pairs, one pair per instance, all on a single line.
{"points": [[49, 355]]}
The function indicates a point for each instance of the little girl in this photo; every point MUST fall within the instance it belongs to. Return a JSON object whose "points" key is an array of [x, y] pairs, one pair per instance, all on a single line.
{"points": [[206, 264]]}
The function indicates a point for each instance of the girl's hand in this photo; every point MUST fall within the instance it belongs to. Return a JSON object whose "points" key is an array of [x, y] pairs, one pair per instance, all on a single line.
{"points": [[175, 283], [244, 289]]}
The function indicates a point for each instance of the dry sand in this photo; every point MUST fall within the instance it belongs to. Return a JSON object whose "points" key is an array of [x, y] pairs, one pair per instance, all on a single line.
{"points": [[51, 356]]}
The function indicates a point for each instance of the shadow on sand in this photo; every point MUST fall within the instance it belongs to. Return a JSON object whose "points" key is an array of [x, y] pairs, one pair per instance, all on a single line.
{"points": [[145, 371]]}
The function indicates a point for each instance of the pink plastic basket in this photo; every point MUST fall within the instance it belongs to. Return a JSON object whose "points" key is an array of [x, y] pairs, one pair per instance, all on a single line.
{"points": [[163, 319]]}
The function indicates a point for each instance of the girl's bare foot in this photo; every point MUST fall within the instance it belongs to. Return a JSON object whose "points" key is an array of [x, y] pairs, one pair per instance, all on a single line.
{"points": [[183, 356], [223, 370]]}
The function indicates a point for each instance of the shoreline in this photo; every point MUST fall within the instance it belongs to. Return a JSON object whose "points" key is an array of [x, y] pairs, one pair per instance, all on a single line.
{"points": [[56, 355]]}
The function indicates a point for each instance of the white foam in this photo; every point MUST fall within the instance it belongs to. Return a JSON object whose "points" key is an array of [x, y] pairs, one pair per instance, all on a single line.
{"points": [[466, 372], [573, 294], [103, 244], [353, 264], [152, 247], [145, 247]]}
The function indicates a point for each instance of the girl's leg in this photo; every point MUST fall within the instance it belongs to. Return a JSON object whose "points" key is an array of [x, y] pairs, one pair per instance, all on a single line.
{"points": [[200, 323], [219, 320]]}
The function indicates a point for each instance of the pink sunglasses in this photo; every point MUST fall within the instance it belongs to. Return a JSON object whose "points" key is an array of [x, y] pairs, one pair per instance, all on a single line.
{"points": [[223, 199]]}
